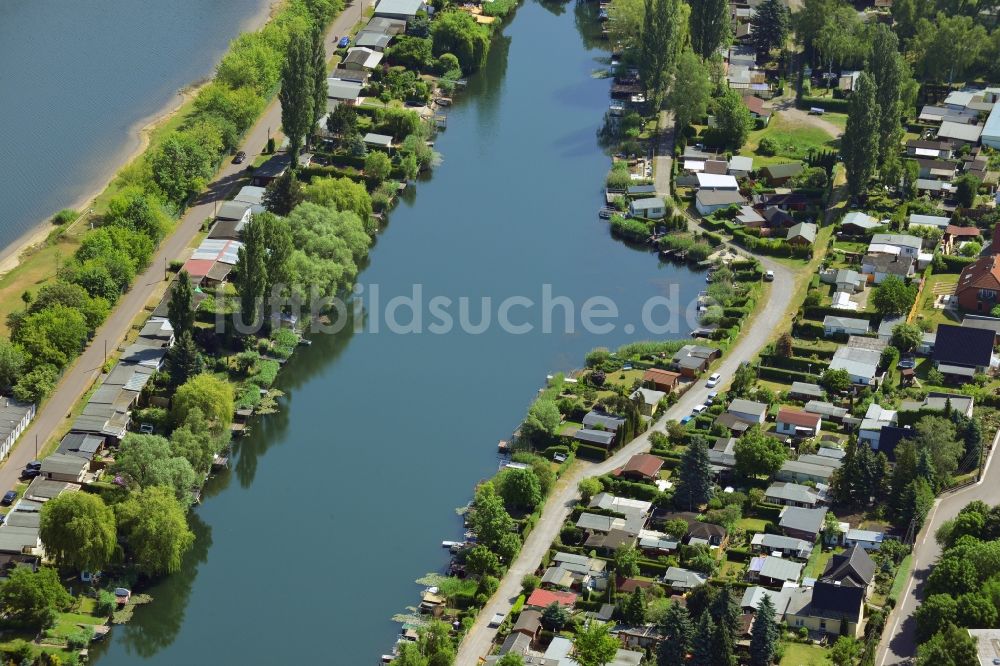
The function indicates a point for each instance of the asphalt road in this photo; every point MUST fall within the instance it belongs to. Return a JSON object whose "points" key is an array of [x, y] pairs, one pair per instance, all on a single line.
{"points": [[899, 643], [86, 369], [771, 317]]}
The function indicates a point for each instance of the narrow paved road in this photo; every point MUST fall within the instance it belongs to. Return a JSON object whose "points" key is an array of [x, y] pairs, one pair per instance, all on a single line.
{"points": [[87, 368], [772, 316], [899, 642]]}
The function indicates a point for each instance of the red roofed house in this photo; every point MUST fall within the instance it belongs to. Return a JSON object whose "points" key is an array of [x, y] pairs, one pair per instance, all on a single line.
{"points": [[979, 284], [661, 380], [757, 109], [797, 423], [541, 598], [642, 467], [197, 269]]}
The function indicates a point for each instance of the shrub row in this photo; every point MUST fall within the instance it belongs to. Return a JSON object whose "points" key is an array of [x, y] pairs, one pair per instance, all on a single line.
{"points": [[787, 376]]}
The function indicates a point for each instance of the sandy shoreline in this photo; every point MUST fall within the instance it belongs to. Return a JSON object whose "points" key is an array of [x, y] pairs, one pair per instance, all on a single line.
{"points": [[136, 142]]}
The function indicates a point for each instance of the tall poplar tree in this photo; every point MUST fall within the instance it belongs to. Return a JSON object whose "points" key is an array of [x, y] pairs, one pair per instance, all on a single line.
{"points": [[662, 36], [887, 70], [709, 26], [180, 310], [859, 144], [251, 267], [296, 94], [319, 74]]}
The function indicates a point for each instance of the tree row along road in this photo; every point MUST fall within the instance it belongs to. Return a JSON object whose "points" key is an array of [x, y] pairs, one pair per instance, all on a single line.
{"points": [[87, 367], [771, 316]]}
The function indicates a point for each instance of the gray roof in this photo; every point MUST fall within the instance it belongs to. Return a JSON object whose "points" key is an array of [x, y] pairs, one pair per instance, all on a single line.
{"points": [[902, 240], [16, 539], [862, 220], [804, 520], [383, 140], [857, 362], [251, 194], [831, 452], [800, 468], [852, 323], [42, 489], [602, 437], [647, 204], [806, 230], [747, 407], [608, 421], [23, 519], [938, 221], [752, 597], [825, 409], [62, 463], [593, 521], [683, 578], [12, 410], [81, 444], [781, 569], [339, 89], [793, 492], [150, 357], [781, 542], [815, 459], [232, 210], [805, 388], [400, 7], [719, 197], [373, 39]]}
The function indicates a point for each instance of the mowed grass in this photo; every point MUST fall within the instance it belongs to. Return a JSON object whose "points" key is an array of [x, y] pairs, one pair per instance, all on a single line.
{"points": [[35, 270], [800, 654], [795, 140], [936, 285]]}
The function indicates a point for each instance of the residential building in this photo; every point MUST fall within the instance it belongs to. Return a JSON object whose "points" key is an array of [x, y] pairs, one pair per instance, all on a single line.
{"points": [[642, 467], [798, 471], [826, 410], [797, 423], [14, 419], [806, 391], [903, 245], [740, 166], [844, 279], [609, 422], [934, 221], [749, 217], [957, 132], [978, 321], [708, 201], [272, 169], [860, 364], [979, 285], [683, 579], [837, 325], [875, 419], [748, 410], [803, 233], [802, 523], [402, 10], [541, 598], [753, 596], [775, 571], [865, 539], [757, 108], [649, 400], [826, 608], [991, 131], [651, 208], [937, 401], [692, 360], [881, 265], [778, 543], [661, 380], [602, 438], [64, 467], [857, 223], [793, 494], [779, 174], [961, 352]]}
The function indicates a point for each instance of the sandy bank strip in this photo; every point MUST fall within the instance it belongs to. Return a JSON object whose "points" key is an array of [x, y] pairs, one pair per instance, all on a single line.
{"points": [[137, 141]]}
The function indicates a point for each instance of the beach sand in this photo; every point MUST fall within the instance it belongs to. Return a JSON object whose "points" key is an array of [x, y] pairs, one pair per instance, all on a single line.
{"points": [[137, 141]]}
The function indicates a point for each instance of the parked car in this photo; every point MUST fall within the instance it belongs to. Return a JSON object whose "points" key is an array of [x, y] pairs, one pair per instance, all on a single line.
{"points": [[30, 473], [496, 620], [699, 409], [711, 397], [8, 498], [686, 419], [714, 380], [240, 156], [769, 276], [34, 464], [344, 42]]}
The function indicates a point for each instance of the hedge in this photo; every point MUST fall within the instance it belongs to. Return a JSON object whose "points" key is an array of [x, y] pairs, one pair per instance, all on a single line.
{"points": [[786, 376], [821, 311], [825, 103], [805, 352], [793, 363], [808, 329], [768, 511], [738, 554], [588, 452], [953, 264]]}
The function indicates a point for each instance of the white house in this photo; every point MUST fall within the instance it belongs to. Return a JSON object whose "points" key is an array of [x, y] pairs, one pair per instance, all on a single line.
{"points": [[651, 208], [935, 221], [899, 244], [836, 325], [861, 364], [14, 418], [796, 423], [871, 425], [866, 539], [991, 132], [717, 181]]}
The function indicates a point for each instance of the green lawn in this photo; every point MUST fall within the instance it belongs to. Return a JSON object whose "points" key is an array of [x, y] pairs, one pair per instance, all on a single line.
{"points": [[817, 561], [794, 139], [751, 524], [936, 284], [902, 575], [800, 654]]}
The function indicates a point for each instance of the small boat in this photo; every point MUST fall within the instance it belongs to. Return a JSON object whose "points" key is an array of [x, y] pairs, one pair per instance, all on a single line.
{"points": [[450, 544], [606, 213], [443, 101]]}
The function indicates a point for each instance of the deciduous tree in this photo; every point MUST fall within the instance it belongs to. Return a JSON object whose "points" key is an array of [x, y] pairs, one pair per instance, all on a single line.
{"points": [[78, 530], [155, 529], [757, 454], [251, 273], [31, 599], [709, 26], [212, 395], [689, 94], [733, 119], [180, 310], [594, 645], [893, 297], [297, 93], [662, 37]]}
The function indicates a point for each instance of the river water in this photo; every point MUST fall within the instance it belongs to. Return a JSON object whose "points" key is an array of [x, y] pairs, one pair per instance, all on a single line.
{"points": [[77, 80], [334, 506]]}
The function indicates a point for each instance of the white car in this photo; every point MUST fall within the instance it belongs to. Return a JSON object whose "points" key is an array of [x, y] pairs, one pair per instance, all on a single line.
{"points": [[497, 620], [699, 409], [714, 380], [769, 276]]}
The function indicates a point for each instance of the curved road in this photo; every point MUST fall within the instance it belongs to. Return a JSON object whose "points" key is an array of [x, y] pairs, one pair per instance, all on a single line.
{"points": [[771, 317], [899, 643], [78, 378]]}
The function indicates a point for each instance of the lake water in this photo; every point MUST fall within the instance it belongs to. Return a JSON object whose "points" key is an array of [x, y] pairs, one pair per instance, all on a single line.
{"points": [[336, 505], [77, 80]]}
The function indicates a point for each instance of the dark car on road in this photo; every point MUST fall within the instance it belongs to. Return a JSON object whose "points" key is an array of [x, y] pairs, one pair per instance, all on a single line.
{"points": [[240, 156], [8, 498]]}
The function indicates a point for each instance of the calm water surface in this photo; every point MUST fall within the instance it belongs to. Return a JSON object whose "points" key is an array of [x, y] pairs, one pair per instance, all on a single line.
{"points": [[334, 506], [78, 78]]}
